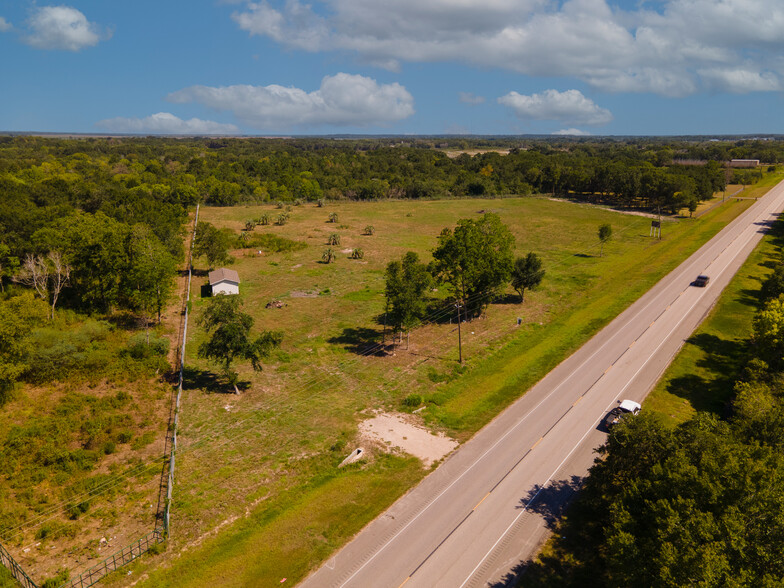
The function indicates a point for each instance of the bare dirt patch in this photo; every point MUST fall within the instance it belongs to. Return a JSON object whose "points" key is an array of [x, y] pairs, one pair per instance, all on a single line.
{"points": [[399, 431]]}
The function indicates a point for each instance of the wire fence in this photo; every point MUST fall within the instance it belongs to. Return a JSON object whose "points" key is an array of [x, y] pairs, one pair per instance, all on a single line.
{"points": [[161, 532], [117, 560], [16, 570]]}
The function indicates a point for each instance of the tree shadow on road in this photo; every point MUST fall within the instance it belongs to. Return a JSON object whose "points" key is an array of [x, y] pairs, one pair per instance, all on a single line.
{"points": [[549, 502]]}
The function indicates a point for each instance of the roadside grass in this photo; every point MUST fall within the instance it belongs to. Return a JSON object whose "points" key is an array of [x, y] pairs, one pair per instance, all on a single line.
{"points": [[290, 534], [307, 402], [702, 376]]}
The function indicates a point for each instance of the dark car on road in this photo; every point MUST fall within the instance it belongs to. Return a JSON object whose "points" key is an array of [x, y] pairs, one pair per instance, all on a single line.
{"points": [[701, 281], [616, 414]]}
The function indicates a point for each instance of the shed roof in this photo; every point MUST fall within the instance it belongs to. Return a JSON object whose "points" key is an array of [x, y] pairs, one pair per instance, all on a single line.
{"points": [[224, 275]]}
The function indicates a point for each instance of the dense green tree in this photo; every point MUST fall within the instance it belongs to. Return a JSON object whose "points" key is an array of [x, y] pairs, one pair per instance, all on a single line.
{"points": [[407, 283], [149, 281], [773, 287], [475, 259], [229, 339], [768, 331], [527, 273], [212, 244], [9, 264], [18, 316]]}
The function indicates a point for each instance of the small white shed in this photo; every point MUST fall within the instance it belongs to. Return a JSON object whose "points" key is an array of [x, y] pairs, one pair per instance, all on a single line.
{"points": [[224, 281]]}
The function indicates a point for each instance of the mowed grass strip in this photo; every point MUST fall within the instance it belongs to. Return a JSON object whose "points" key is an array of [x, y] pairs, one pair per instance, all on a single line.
{"points": [[295, 531], [581, 294], [703, 374]]}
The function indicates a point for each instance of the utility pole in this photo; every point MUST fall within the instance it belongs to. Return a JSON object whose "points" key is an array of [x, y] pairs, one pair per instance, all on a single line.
{"points": [[459, 337]]}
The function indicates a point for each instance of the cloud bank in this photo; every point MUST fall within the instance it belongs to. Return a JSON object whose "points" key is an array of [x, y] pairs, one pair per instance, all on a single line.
{"points": [[343, 100], [669, 47], [64, 28], [164, 123], [569, 107]]}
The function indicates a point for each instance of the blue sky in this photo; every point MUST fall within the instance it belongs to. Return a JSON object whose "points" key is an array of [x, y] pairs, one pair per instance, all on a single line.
{"points": [[276, 67]]}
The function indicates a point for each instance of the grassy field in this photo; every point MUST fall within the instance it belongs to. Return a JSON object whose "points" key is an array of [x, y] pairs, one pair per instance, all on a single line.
{"points": [[248, 461]]}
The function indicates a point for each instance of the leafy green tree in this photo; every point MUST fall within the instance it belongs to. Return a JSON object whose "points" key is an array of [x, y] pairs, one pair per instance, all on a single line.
{"points": [[8, 265], [150, 277], [527, 273], [95, 246], [211, 243], [18, 317], [475, 260], [407, 282], [229, 339], [773, 287], [768, 331], [605, 233]]}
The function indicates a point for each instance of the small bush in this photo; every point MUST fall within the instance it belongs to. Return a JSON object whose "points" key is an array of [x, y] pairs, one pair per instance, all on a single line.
{"points": [[357, 254], [74, 511], [140, 348], [412, 400], [333, 217], [61, 578], [156, 548], [124, 437], [333, 239], [109, 447], [369, 230]]}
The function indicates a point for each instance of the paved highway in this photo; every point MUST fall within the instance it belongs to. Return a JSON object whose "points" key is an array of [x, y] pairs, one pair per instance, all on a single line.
{"points": [[486, 507]]}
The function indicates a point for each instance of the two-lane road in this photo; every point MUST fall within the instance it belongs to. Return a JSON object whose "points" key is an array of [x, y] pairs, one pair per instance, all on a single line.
{"points": [[485, 508]]}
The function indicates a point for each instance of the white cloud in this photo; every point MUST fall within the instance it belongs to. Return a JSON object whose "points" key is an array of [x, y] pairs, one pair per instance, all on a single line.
{"points": [[672, 47], [62, 27], [569, 107], [165, 123], [5, 26], [342, 100], [572, 133], [469, 98]]}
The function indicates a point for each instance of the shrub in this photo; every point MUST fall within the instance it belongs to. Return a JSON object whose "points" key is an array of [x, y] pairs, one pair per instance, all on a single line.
{"points": [[333, 239], [139, 348], [357, 254], [333, 217], [412, 400], [369, 230]]}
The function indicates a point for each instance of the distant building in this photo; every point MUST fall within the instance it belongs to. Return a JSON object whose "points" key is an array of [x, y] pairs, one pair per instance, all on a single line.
{"points": [[744, 163], [224, 281]]}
